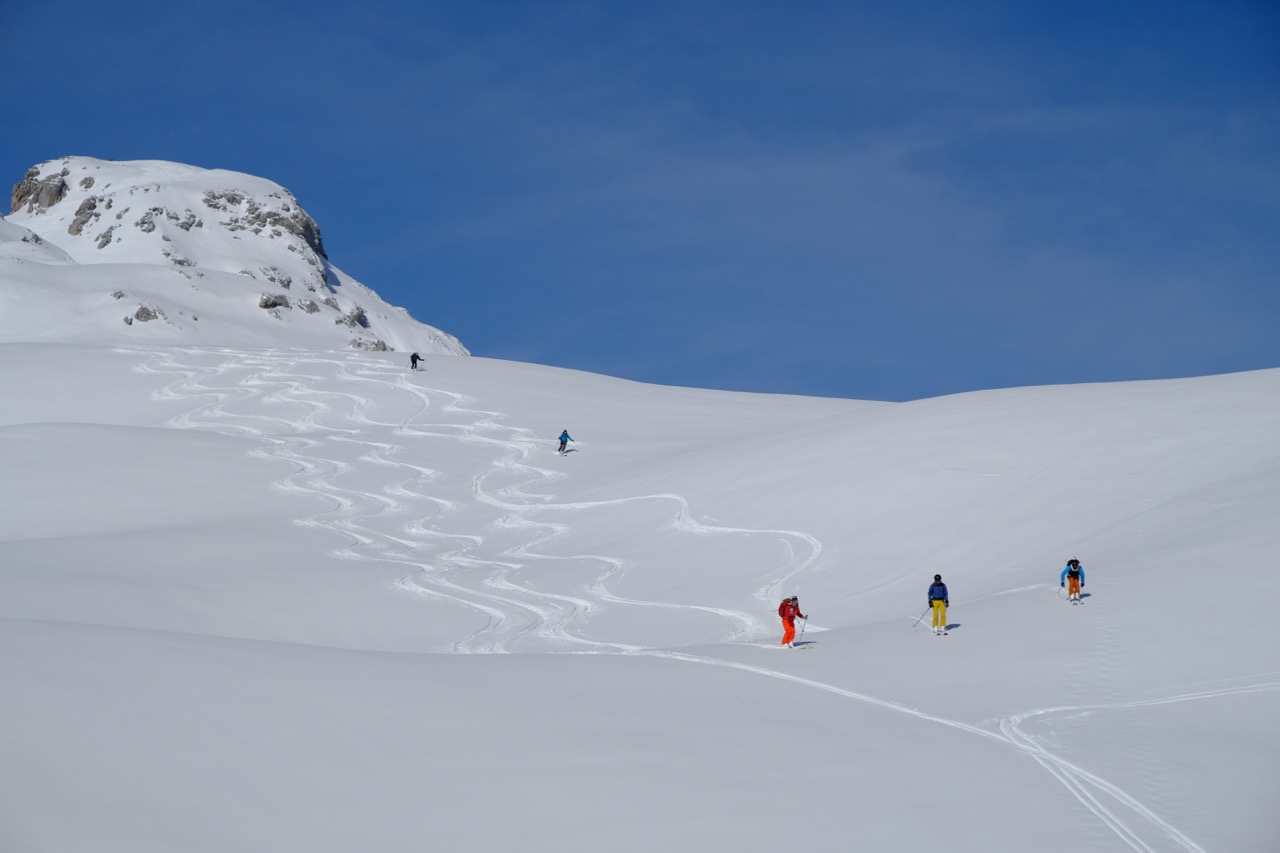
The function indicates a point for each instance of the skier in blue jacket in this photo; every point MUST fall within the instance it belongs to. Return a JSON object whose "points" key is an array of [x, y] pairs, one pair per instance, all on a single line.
{"points": [[1073, 574], [565, 438], [939, 600]]}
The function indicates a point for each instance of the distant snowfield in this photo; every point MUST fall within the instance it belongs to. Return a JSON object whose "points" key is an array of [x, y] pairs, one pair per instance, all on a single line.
{"points": [[257, 599]]}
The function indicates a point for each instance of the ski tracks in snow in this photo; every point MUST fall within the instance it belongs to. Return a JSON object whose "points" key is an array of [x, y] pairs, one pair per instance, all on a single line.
{"points": [[320, 430], [1132, 822], [446, 546], [1100, 796]]}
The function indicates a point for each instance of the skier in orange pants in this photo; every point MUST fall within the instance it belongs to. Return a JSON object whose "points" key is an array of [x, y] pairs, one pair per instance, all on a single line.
{"points": [[789, 610], [1074, 575]]}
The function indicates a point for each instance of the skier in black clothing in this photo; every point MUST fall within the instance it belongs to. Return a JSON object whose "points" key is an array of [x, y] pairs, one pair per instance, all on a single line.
{"points": [[413, 361]]}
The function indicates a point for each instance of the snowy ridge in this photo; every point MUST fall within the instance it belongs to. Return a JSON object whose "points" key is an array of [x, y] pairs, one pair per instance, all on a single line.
{"points": [[156, 252]]}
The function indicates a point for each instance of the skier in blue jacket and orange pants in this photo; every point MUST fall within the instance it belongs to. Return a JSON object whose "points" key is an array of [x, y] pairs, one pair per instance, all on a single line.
{"points": [[1073, 574]]}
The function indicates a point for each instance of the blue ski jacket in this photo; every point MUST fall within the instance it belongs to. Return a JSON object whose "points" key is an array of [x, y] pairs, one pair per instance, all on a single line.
{"points": [[938, 592], [1063, 578], [564, 436]]}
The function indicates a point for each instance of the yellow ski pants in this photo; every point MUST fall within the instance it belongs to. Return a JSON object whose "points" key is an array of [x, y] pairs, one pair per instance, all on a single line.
{"points": [[939, 614]]}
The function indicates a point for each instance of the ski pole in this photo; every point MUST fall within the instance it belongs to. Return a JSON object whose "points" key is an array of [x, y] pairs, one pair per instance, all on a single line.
{"points": [[804, 623], [922, 615]]}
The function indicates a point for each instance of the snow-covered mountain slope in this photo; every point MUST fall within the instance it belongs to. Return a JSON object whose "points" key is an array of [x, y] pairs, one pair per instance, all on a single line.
{"points": [[308, 600], [147, 251]]}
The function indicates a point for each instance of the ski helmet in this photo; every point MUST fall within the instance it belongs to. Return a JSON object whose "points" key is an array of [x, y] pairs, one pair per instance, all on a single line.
{"points": [[937, 577]]}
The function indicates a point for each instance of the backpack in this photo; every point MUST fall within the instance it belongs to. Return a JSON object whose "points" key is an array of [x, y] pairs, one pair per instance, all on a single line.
{"points": [[1073, 572], [784, 608]]}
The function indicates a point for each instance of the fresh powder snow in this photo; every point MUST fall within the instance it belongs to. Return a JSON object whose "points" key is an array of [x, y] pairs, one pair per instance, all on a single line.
{"points": [[268, 591]]}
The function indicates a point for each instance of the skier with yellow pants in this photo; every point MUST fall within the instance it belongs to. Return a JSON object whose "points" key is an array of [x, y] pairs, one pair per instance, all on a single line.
{"points": [[938, 600]]}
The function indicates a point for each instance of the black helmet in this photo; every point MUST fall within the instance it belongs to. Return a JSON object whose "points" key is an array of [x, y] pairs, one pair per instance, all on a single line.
{"points": [[937, 577]]}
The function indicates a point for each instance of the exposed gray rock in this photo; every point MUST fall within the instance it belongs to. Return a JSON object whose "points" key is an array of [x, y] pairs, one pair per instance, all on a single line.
{"points": [[372, 346], [223, 200], [86, 182], [145, 314], [147, 222], [277, 276], [354, 317], [309, 306], [104, 239], [273, 300], [250, 215], [85, 213], [35, 192]]}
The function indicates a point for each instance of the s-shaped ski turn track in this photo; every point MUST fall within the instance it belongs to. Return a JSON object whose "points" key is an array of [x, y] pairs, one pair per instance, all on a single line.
{"points": [[339, 419]]}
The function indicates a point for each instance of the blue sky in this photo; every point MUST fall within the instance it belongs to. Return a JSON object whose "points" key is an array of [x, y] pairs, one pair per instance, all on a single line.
{"points": [[869, 200]]}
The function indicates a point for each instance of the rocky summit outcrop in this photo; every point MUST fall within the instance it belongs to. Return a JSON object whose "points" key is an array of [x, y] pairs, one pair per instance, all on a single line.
{"points": [[247, 214], [182, 241], [158, 199], [39, 191]]}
